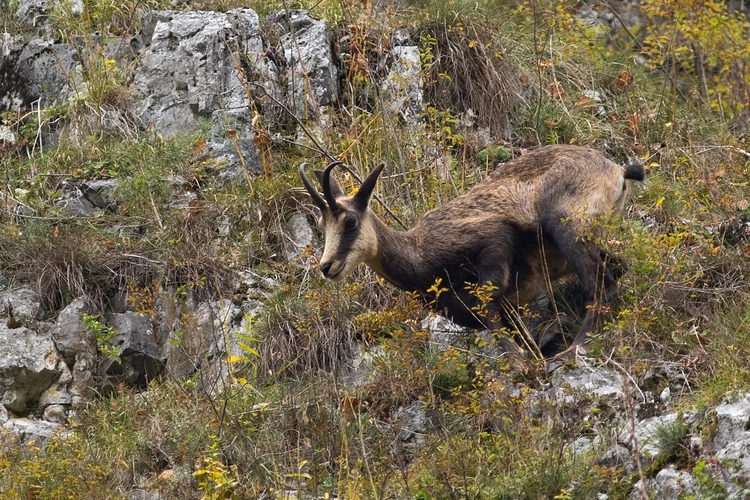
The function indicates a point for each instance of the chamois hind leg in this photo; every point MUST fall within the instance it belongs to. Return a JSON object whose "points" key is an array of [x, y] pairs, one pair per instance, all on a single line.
{"points": [[585, 260], [609, 270]]}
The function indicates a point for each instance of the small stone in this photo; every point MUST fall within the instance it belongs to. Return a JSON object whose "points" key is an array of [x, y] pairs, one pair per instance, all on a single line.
{"points": [[666, 395], [166, 475], [298, 235], [55, 413]]}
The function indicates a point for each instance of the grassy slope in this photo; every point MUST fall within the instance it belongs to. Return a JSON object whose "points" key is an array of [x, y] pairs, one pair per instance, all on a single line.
{"points": [[684, 301]]}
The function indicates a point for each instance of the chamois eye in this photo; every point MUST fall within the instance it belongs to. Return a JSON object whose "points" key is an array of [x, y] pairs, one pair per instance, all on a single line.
{"points": [[350, 222]]}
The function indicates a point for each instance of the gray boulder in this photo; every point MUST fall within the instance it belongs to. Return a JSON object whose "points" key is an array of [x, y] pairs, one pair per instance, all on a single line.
{"points": [[7, 42], [297, 236], [78, 348], [412, 424], [732, 444], [732, 423], [735, 459], [34, 12], [38, 71], [310, 73], [73, 202], [211, 335], [100, 192], [23, 304], [6, 135], [444, 333], [28, 365], [669, 484], [644, 436], [404, 84], [598, 381], [141, 350], [87, 198], [55, 413], [190, 71], [32, 374], [58, 393], [31, 432]]}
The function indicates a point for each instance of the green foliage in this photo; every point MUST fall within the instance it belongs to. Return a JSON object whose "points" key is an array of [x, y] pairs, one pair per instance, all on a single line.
{"points": [[671, 441], [64, 468], [103, 335], [730, 344], [538, 468], [707, 43], [216, 480], [709, 487], [492, 155]]}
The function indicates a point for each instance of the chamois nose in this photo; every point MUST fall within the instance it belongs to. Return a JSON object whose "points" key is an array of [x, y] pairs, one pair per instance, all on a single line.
{"points": [[325, 268]]}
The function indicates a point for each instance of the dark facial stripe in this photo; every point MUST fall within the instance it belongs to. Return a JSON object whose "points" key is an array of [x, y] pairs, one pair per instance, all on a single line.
{"points": [[346, 242]]}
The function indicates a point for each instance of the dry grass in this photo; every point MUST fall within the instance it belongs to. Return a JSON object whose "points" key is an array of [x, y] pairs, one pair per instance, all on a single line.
{"points": [[68, 259], [310, 324], [67, 263], [471, 75]]}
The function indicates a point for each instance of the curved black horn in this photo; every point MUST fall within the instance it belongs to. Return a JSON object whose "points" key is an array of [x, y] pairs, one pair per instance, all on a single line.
{"points": [[314, 194], [327, 185]]}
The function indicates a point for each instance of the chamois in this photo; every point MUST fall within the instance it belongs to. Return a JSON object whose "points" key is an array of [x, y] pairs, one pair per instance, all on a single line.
{"points": [[522, 227]]}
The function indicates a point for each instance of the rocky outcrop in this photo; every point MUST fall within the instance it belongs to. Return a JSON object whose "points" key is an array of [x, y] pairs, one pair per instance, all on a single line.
{"points": [[29, 362], [190, 70], [207, 65], [47, 368], [669, 484], [309, 62], [208, 340], [731, 443], [38, 71], [298, 236], [404, 84], [139, 355], [35, 13], [30, 432]]}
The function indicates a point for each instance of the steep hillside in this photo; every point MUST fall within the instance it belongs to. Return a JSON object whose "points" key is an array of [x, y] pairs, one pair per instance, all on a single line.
{"points": [[164, 330]]}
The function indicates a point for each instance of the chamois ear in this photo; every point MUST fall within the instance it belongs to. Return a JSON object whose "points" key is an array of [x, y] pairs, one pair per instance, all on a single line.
{"points": [[362, 198]]}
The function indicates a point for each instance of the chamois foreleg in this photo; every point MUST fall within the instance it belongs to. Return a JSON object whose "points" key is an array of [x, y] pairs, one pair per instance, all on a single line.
{"points": [[493, 283], [585, 260]]}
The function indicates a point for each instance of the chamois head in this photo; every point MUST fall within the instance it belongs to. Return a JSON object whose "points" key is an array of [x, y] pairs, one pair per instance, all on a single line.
{"points": [[346, 221]]}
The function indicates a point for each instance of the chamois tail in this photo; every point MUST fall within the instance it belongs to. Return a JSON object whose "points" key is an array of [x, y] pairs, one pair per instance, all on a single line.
{"points": [[635, 172]]}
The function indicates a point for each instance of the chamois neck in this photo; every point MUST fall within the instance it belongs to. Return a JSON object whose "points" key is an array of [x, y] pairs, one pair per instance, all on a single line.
{"points": [[397, 258]]}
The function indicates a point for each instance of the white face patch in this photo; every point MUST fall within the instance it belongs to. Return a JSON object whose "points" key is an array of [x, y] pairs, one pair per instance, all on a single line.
{"points": [[345, 249]]}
